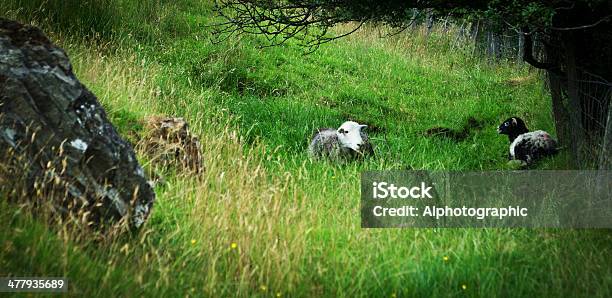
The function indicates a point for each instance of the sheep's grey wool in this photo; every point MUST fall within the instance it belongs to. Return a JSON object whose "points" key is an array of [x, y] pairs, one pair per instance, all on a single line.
{"points": [[328, 143]]}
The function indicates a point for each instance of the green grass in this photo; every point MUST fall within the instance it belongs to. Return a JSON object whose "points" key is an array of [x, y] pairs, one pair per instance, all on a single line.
{"points": [[294, 222]]}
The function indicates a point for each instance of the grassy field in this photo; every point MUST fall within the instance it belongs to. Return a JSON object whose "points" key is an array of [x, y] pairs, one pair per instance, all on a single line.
{"points": [[263, 219]]}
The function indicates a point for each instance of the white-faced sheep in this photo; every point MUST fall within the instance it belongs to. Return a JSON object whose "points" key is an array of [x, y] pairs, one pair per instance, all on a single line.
{"points": [[349, 141], [527, 146]]}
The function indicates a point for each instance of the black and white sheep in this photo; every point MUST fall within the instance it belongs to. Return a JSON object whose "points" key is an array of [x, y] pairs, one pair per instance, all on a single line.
{"points": [[349, 141], [527, 146]]}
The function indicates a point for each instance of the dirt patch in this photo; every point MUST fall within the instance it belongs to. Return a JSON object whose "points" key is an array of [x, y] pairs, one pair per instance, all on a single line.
{"points": [[471, 126], [518, 81], [326, 101]]}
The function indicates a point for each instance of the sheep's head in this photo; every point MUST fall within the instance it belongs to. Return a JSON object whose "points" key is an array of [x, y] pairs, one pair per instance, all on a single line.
{"points": [[512, 127], [349, 135]]}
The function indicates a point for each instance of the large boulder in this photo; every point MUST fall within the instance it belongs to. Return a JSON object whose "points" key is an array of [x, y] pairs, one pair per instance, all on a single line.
{"points": [[56, 134]]}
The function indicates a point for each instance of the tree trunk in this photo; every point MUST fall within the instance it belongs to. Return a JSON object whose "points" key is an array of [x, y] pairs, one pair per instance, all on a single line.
{"points": [[521, 43], [489, 44], [559, 112], [575, 115], [495, 45], [605, 157], [429, 21], [413, 20], [475, 35]]}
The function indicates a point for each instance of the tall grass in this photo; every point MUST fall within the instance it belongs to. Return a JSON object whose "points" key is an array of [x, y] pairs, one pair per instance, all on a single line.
{"points": [[263, 219]]}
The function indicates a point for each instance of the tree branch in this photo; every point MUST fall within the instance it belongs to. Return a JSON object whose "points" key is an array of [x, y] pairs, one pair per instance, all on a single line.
{"points": [[528, 53], [604, 19]]}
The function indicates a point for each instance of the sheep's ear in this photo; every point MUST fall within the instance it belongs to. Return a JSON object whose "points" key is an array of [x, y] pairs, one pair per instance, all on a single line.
{"points": [[362, 126], [514, 121]]}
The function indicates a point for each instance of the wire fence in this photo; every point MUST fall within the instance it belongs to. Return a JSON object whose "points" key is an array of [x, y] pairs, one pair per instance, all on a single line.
{"points": [[581, 101]]}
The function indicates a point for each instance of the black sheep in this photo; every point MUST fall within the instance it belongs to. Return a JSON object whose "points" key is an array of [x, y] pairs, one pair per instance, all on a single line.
{"points": [[527, 146]]}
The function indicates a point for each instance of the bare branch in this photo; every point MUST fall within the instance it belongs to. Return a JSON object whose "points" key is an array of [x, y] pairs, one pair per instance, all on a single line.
{"points": [[528, 53], [604, 19]]}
